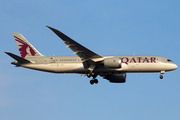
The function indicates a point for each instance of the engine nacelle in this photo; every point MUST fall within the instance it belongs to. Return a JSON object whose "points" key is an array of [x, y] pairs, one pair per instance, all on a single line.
{"points": [[112, 62], [116, 78]]}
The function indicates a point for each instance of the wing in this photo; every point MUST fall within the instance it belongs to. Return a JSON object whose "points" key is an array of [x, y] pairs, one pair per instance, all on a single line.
{"points": [[84, 53], [87, 56]]}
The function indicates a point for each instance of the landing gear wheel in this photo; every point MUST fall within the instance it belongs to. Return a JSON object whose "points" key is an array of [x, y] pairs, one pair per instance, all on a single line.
{"points": [[88, 75], [161, 77], [96, 81], [91, 82]]}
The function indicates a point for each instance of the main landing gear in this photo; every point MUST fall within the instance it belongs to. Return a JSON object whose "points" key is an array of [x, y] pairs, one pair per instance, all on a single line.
{"points": [[94, 80]]}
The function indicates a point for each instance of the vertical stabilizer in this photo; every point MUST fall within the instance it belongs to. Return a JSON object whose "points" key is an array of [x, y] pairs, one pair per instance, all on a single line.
{"points": [[25, 48]]}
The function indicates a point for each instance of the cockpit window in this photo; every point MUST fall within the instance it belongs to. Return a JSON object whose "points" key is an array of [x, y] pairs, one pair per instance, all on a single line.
{"points": [[169, 60]]}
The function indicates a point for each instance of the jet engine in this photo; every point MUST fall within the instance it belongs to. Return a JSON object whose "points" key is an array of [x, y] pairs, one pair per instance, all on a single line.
{"points": [[116, 78], [112, 62]]}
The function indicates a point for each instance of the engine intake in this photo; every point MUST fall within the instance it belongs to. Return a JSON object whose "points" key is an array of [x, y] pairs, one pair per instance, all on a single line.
{"points": [[112, 62]]}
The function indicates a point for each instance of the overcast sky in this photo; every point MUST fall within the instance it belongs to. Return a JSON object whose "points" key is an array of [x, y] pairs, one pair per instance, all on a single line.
{"points": [[107, 27]]}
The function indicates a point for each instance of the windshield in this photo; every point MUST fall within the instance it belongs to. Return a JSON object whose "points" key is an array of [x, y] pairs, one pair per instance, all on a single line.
{"points": [[169, 60]]}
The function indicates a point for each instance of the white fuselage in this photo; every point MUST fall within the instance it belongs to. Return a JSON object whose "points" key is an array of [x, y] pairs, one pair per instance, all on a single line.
{"points": [[129, 63]]}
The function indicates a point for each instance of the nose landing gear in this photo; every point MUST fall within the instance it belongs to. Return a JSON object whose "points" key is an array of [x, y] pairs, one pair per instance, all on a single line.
{"points": [[161, 76]]}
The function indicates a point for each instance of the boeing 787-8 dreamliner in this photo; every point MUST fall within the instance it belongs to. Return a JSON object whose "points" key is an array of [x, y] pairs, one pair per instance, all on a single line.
{"points": [[87, 62]]}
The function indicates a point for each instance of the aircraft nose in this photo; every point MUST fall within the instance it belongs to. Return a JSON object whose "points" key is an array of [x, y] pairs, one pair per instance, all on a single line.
{"points": [[175, 66], [171, 66]]}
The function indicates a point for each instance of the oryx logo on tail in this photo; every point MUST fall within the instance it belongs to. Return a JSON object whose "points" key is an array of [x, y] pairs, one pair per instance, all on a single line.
{"points": [[24, 48]]}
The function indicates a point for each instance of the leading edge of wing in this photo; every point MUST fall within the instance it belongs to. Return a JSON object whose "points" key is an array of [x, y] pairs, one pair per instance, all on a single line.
{"points": [[81, 51]]}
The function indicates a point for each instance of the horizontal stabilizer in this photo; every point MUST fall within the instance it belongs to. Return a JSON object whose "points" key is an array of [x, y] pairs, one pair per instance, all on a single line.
{"points": [[19, 59]]}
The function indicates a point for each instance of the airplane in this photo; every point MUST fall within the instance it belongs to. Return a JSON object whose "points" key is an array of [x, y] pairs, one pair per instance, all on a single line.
{"points": [[87, 62]]}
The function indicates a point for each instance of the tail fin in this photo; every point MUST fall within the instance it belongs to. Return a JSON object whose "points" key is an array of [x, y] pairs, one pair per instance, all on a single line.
{"points": [[25, 48]]}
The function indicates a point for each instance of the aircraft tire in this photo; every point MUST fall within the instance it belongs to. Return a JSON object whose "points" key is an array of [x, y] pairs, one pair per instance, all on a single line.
{"points": [[88, 75], [91, 82], [96, 81], [161, 77]]}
